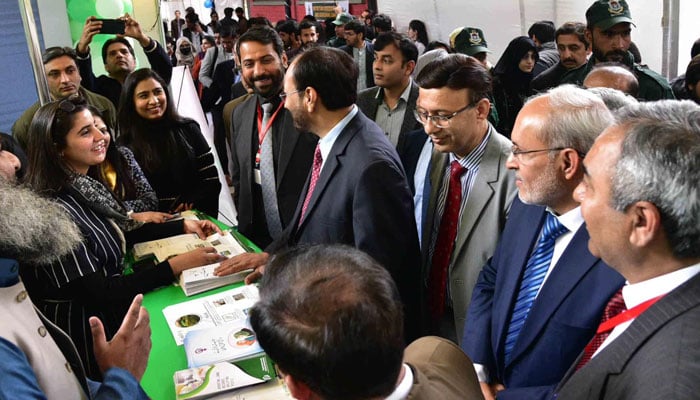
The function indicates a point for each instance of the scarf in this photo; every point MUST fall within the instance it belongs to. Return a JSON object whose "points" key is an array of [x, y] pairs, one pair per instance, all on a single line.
{"points": [[101, 200]]}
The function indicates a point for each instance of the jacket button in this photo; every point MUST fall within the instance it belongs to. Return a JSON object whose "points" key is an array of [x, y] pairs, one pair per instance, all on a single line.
{"points": [[42, 331], [70, 370], [21, 296]]}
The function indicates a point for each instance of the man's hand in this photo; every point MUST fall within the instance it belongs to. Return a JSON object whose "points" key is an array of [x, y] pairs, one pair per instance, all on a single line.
{"points": [[490, 390], [201, 228], [130, 346], [194, 258], [133, 29], [90, 29], [242, 262]]}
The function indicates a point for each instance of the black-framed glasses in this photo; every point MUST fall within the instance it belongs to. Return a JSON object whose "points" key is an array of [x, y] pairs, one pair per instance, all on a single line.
{"points": [[440, 121], [284, 95]]}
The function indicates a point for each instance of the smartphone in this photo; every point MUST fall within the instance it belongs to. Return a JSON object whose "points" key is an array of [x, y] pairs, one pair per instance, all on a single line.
{"points": [[112, 26]]}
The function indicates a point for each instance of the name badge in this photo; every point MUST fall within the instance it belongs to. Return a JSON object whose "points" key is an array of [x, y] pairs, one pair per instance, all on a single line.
{"points": [[256, 176]]}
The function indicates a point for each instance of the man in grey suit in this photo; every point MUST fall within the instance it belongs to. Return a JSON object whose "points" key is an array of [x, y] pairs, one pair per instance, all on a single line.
{"points": [[391, 103], [470, 187], [641, 204], [270, 159]]}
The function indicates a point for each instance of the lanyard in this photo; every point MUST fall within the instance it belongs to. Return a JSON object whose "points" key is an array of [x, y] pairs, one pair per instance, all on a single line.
{"points": [[263, 131], [627, 315]]}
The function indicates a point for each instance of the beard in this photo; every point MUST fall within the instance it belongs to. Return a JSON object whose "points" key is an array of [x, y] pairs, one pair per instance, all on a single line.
{"points": [[301, 120], [612, 56], [34, 230], [270, 90]]}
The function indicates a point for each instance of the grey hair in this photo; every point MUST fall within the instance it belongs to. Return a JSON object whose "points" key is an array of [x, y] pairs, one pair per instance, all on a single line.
{"points": [[576, 120], [660, 163], [614, 99]]}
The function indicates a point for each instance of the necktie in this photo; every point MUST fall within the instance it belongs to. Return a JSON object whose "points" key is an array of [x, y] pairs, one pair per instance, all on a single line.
{"points": [[267, 177], [444, 244], [315, 172], [533, 276], [615, 306]]}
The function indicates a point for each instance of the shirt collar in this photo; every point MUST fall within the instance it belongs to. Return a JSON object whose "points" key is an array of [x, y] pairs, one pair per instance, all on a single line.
{"points": [[637, 293], [326, 143], [473, 159], [403, 389], [571, 219], [9, 272]]}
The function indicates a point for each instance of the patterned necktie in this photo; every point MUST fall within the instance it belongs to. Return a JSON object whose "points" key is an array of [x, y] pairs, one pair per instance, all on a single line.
{"points": [[267, 177], [445, 242], [533, 276], [315, 172], [615, 306]]}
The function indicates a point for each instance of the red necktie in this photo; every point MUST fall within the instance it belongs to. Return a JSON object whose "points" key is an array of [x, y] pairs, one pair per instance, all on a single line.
{"points": [[445, 242], [615, 306], [315, 172]]}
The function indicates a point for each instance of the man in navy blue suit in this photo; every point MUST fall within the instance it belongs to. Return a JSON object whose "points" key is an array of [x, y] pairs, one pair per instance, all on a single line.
{"points": [[356, 193], [538, 301]]}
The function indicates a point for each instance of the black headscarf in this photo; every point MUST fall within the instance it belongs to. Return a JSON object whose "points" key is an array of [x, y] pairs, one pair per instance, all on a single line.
{"points": [[507, 67]]}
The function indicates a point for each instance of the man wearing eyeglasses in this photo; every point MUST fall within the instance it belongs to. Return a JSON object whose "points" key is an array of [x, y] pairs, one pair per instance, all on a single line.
{"points": [[469, 185], [539, 299]]}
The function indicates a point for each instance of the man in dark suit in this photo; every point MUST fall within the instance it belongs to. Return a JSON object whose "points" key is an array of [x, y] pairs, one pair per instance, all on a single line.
{"points": [[267, 177], [357, 192], [391, 103], [538, 301], [361, 50], [647, 227], [176, 25], [351, 345], [470, 189]]}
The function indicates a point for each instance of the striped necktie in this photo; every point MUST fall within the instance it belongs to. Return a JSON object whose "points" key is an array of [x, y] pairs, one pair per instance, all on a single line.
{"points": [[533, 276]]}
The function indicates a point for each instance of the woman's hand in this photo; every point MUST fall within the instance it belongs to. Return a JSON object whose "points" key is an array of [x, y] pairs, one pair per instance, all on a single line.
{"points": [[201, 228], [242, 262], [183, 207], [151, 216], [194, 258]]}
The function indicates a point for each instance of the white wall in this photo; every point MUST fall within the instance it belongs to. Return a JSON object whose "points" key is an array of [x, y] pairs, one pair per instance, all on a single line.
{"points": [[502, 20]]}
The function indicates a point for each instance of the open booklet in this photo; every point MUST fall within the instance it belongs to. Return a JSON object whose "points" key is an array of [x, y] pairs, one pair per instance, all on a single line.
{"points": [[200, 279], [210, 311], [162, 249]]}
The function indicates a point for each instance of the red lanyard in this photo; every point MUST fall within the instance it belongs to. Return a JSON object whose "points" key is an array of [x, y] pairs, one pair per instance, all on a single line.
{"points": [[262, 132], [627, 315]]}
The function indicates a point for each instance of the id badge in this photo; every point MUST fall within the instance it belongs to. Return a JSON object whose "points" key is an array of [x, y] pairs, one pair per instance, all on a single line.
{"points": [[256, 176]]}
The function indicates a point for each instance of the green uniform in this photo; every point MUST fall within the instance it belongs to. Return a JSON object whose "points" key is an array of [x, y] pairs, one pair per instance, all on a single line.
{"points": [[20, 129], [652, 86]]}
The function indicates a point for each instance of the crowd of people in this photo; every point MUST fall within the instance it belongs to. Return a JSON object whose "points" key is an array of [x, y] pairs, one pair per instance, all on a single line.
{"points": [[433, 226]]}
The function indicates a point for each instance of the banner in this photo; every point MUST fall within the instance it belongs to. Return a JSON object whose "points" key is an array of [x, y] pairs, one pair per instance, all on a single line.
{"points": [[325, 9]]}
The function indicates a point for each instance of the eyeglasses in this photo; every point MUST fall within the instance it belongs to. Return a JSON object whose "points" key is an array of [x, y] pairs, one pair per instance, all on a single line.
{"points": [[284, 95], [440, 121], [517, 153]]}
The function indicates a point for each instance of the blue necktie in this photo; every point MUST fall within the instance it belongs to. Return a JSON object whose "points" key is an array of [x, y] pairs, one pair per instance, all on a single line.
{"points": [[533, 276]]}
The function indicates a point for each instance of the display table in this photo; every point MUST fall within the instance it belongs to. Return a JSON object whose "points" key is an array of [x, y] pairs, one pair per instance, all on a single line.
{"points": [[166, 357]]}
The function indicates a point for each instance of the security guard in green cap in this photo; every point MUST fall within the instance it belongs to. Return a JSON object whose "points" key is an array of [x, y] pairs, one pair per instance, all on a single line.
{"points": [[471, 41], [609, 32]]}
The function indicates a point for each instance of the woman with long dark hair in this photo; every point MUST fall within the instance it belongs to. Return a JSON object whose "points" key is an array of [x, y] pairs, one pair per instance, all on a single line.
{"points": [[511, 81], [66, 150], [170, 149], [419, 34]]}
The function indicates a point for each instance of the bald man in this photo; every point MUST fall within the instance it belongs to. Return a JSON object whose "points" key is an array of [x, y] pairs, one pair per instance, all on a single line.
{"points": [[612, 75]]}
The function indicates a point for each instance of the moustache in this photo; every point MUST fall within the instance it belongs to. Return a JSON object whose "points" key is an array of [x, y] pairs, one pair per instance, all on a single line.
{"points": [[262, 77]]}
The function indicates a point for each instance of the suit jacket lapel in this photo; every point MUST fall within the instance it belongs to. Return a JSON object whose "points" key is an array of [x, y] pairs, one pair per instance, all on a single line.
{"points": [[330, 165], [479, 195], [249, 111], [286, 135], [560, 282], [511, 270], [409, 122], [438, 162]]}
